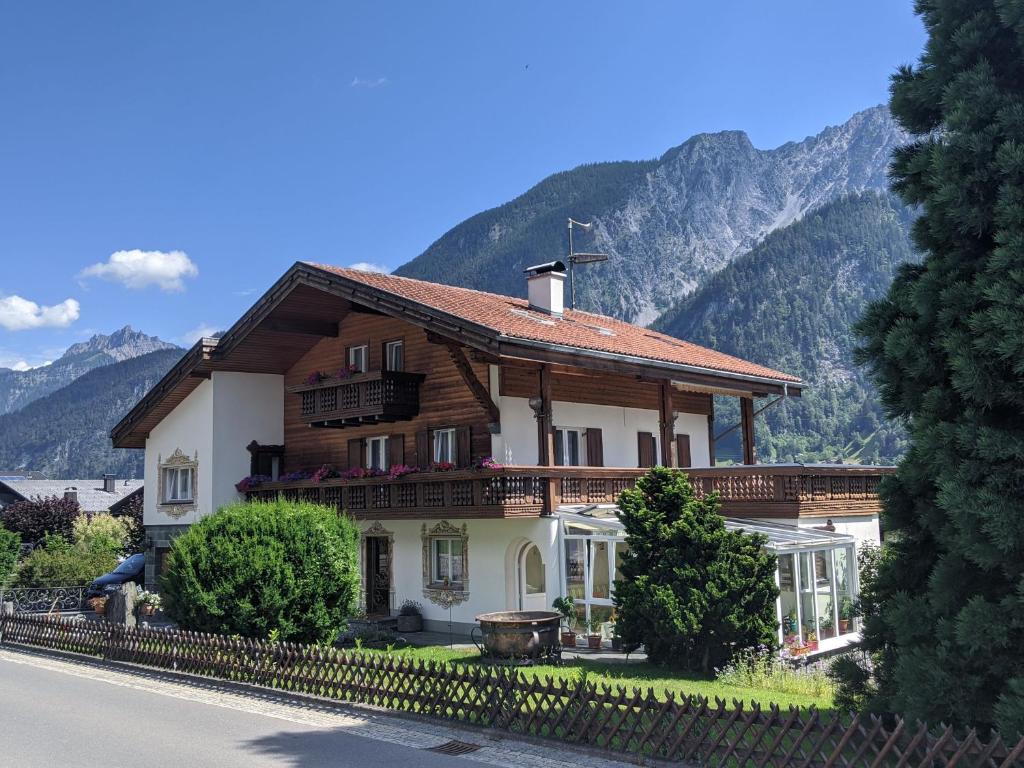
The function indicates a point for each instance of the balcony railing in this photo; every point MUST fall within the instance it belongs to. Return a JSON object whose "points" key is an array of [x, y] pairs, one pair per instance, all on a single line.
{"points": [[765, 491], [362, 398]]}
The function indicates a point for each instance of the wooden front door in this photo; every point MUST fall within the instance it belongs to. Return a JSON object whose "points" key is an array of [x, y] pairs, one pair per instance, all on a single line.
{"points": [[377, 577]]}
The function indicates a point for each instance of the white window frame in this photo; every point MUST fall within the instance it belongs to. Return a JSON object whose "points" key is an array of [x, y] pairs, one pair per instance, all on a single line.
{"points": [[380, 442], [436, 453], [447, 542], [189, 482], [590, 552], [575, 435], [359, 356], [389, 353]]}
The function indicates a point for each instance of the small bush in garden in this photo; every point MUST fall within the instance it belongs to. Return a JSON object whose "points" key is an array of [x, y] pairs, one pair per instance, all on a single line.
{"points": [[10, 545], [689, 590], [58, 563], [762, 668], [34, 518], [103, 533], [253, 568]]}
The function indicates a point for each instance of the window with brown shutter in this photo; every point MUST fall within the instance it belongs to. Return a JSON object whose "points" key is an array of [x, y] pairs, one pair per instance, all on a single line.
{"points": [[645, 446], [396, 449], [683, 451], [595, 447], [464, 447], [355, 453]]}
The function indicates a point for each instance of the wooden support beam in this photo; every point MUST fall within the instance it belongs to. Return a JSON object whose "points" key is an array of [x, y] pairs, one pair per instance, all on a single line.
{"points": [[301, 326], [545, 431], [667, 424], [711, 434], [480, 393], [747, 425]]}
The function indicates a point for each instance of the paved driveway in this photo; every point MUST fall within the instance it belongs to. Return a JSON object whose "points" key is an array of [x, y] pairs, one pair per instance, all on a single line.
{"points": [[83, 714]]}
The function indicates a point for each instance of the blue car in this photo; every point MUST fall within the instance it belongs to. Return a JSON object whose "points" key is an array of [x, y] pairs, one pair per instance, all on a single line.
{"points": [[132, 569]]}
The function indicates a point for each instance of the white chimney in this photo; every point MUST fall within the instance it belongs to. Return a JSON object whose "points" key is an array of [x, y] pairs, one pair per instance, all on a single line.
{"points": [[546, 287]]}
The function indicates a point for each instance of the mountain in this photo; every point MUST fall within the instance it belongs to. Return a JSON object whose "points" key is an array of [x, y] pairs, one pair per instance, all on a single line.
{"points": [[669, 224], [66, 433], [789, 303], [19, 388]]}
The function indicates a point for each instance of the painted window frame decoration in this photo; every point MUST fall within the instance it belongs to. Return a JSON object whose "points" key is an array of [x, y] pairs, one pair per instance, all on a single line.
{"points": [[177, 461], [437, 592]]}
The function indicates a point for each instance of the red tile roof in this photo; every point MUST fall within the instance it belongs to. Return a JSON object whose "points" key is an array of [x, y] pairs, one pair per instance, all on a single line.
{"points": [[513, 318]]}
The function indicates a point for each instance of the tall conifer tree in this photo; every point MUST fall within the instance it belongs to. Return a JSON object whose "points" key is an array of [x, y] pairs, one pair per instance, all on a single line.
{"points": [[946, 348]]}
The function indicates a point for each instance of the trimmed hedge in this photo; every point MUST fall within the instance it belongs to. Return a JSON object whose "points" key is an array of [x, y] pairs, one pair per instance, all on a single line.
{"points": [[251, 569]]}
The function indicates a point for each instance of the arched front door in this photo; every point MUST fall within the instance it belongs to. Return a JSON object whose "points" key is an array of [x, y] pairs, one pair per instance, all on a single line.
{"points": [[532, 592]]}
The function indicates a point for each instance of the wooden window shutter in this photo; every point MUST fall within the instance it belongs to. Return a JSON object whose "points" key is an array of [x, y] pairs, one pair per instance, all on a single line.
{"points": [[423, 455], [683, 451], [396, 449], [355, 452], [645, 449], [463, 447], [595, 447]]}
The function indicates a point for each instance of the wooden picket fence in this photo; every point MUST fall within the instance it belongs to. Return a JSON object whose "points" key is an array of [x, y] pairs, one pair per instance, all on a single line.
{"points": [[675, 728]]}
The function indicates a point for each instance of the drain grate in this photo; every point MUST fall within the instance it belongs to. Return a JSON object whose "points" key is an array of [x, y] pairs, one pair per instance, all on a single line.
{"points": [[454, 748]]}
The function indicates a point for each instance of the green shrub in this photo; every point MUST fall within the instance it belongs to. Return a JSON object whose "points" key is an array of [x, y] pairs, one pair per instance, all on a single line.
{"points": [[253, 568], [58, 563], [10, 544], [102, 533], [762, 668], [692, 592]]}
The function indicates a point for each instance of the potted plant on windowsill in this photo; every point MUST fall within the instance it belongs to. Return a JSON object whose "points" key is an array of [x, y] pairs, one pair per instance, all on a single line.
{"points": [[410, 617], [594, 637], [846, 611], [567, 607]]}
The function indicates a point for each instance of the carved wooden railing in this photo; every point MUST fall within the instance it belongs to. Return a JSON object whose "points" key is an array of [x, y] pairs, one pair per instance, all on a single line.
{"points": [[761, 490], [361, 398]]}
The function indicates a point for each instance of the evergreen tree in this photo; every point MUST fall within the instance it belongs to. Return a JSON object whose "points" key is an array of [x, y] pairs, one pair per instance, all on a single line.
{"points": [[946, 349], [690, 591]]}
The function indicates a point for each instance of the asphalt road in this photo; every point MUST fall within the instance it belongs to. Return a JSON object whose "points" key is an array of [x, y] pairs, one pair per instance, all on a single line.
{"points": [[51, 718]]}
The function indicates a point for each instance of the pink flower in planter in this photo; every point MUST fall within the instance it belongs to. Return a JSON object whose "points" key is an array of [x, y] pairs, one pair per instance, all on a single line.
{"points": [[442, 466], [250, 482], [487, 462], [315, 378], [400, 470], [291, 477], [326, 472]]}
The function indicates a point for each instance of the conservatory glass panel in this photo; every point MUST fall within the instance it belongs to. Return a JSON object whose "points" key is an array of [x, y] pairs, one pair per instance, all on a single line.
{"points": [[575, 569], [788, 601], [844, 588], [599, 570], [824, 598], [808, 615]]}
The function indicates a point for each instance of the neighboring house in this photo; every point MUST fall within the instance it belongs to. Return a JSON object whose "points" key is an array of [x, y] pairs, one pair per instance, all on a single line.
{"points": [[107, 494], [371, 375]]}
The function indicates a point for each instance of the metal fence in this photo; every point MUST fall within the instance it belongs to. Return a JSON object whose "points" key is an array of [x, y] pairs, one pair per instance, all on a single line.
{"points": [[711, 733], [44, 599]]}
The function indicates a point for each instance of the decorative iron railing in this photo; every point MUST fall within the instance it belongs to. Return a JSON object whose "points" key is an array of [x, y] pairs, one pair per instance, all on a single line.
{"points": [[762, 490], [44, 599], [361, 398]]}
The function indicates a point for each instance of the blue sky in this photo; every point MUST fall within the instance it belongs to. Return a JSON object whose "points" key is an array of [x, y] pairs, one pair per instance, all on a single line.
{"points": [[163, 163]]}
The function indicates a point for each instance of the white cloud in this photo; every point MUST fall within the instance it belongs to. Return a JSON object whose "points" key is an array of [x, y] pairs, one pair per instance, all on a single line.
{"points": [[201, 331], [138, 269], [372, 82], [18, 314], [369, 266]]}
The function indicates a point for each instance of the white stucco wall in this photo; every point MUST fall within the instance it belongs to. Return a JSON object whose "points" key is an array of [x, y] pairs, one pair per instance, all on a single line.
{"points": [[517, 443], [491, 571], [188, 428], [246, 407], [214, 424]]}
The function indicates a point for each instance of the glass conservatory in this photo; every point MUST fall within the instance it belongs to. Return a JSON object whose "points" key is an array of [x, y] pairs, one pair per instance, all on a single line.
{"points": [[816, 576]]}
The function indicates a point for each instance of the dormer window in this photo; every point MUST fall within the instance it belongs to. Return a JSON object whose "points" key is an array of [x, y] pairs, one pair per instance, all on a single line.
{"points": [[359, 358]]}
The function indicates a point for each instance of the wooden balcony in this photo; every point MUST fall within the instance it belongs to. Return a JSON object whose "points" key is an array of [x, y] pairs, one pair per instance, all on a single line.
{"points": [[763, 491], [362, 398]]}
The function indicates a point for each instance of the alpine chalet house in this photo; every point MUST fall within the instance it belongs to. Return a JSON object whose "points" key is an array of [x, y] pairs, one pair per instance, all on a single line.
{"points": [[482, 441]]}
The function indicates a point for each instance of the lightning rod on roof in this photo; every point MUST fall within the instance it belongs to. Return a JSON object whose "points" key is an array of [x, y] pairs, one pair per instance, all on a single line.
{"points": [[580, 258]]}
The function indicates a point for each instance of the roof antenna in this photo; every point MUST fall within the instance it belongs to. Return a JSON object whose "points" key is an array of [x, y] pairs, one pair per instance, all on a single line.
{"points": [[580, 258]]}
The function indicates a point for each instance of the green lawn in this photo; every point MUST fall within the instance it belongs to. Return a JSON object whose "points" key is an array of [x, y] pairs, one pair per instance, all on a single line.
{"points": [[642, 675]]}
